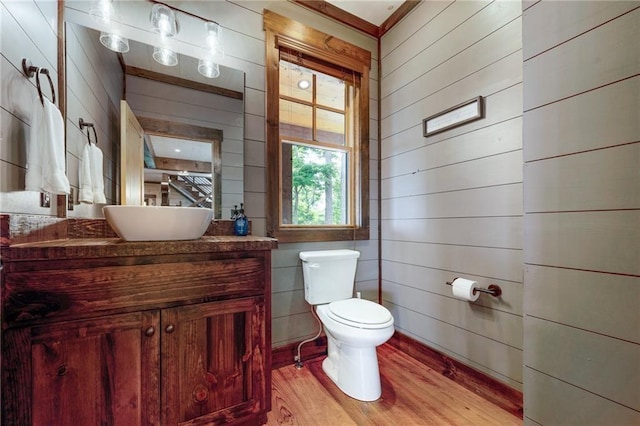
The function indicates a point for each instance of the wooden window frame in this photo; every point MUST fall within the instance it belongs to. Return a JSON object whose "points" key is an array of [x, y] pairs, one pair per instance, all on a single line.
{"points": [[284, 33]]}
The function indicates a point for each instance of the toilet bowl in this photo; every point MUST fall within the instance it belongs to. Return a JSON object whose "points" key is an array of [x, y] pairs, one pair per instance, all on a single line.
{"points": [[354, 327], [352, 337]]}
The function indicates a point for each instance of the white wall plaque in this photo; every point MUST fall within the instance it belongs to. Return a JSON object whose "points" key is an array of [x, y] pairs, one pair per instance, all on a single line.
{"points": [[455, 116]]}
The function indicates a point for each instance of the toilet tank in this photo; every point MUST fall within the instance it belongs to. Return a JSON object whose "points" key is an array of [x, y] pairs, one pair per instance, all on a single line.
{"points": [[328, 275]]}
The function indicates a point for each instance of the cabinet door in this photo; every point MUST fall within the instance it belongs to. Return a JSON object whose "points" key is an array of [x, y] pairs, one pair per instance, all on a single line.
{"points": [[102, 371], [213, 362]]}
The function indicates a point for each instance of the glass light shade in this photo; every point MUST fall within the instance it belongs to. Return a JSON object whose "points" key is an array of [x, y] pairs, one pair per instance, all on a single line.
{"points": [[114, 42], [213, 35], [208, 68], [102, 11], [165, 56], [163, 20]]}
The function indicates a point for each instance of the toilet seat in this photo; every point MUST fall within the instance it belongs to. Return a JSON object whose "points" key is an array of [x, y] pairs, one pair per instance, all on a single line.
{"points": [[360, 313]]}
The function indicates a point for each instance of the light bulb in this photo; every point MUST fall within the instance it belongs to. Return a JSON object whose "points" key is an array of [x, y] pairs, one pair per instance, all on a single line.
{"points": [[115, 42], [208, 68], [102, 11], [165, 56]]}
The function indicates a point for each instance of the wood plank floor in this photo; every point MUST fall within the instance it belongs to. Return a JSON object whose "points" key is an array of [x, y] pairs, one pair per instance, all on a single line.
{"points": [[412, 394]]}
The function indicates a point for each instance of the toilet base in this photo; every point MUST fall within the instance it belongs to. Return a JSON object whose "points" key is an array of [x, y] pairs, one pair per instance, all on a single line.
{"points": [[355, 371]]}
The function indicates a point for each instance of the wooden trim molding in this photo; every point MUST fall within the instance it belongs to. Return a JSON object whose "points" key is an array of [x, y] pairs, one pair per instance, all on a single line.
{"points": [[177, 81], [492, 390], [329, 10], [282, 32]]}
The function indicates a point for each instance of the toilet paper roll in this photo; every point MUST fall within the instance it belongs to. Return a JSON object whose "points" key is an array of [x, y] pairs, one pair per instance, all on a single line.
{"points": [[463, 289]]}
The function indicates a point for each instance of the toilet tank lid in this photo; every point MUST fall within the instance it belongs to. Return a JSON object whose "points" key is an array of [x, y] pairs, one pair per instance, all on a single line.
{"points": [[322, 255]]}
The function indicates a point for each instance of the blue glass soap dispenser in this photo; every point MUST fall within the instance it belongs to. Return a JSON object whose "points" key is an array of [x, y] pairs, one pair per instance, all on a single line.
{"points": [[241, 225]]}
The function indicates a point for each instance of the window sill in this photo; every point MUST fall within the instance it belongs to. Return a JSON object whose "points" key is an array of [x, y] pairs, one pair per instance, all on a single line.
{"points": [[299, 235]]}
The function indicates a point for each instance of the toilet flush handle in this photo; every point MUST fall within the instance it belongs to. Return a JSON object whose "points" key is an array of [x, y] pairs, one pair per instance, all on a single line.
{"points": [[314, 265]]}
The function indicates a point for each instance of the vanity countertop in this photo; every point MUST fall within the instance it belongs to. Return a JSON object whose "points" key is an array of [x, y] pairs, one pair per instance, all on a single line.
{"points": [[115, 247]]}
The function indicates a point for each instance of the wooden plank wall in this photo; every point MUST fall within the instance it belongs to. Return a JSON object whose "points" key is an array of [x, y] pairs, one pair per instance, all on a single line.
{"points": [[452, 202], [582, 212], [28, 30], [162, 101]]}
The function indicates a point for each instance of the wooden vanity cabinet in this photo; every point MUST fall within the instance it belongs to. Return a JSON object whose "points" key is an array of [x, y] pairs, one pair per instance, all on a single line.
{"points": [[137, 340]]}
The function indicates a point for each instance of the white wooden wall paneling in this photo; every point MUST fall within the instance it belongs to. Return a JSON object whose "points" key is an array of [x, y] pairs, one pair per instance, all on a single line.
{"points": [[445, 31], [433, 280], [29, 30], [485, 261], [598, 57], [494, 358], [497, 139], [39, 30], [422, 15], [556, 22], [603, 117], [606, 304], [202, 109], [497, 325], [491, 82], [594, 180], [489, 171], [292, 328], [496, 232], [221, 104], [502, 43], [501, 200], [254, 102], [289, 303], [549, 401], [604, 241], [605, 366]]}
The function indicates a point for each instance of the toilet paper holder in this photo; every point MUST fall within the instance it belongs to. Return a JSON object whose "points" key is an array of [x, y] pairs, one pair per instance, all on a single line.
{"points": [[493, 289]]}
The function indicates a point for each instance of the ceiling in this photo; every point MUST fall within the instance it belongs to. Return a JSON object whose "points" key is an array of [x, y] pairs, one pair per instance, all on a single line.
{"points": [[375, 12]]}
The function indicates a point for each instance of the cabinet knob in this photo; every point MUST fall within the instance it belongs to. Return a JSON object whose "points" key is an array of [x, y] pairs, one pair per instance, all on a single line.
{"points": [[170, 329], [149, 331]]}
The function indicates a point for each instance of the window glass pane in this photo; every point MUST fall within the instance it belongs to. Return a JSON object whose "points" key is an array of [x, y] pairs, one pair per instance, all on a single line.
{"points": [[296, 81], [330, 91], [330, 127], [296, 120], [314, 186]]}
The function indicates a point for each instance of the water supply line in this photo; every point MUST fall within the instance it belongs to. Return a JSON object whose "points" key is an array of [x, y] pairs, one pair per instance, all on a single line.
{"points": [[298, 358]]}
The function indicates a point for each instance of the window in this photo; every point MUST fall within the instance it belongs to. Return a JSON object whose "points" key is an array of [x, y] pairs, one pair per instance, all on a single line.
{"points": [[317, 135]]}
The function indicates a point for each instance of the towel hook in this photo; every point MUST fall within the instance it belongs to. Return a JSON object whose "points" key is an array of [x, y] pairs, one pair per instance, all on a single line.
{"points": [[29, 70], [84, 124]]}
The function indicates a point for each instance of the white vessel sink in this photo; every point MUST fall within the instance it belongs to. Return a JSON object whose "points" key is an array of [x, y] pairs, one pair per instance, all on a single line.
{"points": [[155, 223]]}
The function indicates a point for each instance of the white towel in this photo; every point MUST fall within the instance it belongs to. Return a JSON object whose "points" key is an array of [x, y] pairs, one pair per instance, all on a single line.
{"points": [[91, 179], [46, 150]]}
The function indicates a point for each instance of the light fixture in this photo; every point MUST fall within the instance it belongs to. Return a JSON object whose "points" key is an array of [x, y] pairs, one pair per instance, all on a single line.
{"points": [[163, 20], [304, 84], [102, 11], [208, 65], [106, 14], [208, 68], [165, 56], [214, 37], [115, 42]]}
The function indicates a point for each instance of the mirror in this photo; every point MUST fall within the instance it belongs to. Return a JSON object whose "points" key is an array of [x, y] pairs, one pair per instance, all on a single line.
{"points": [[177, 101]]}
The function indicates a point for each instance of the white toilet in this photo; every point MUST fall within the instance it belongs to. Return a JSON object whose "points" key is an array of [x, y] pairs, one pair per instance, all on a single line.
{"points": [[354, 327]]}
